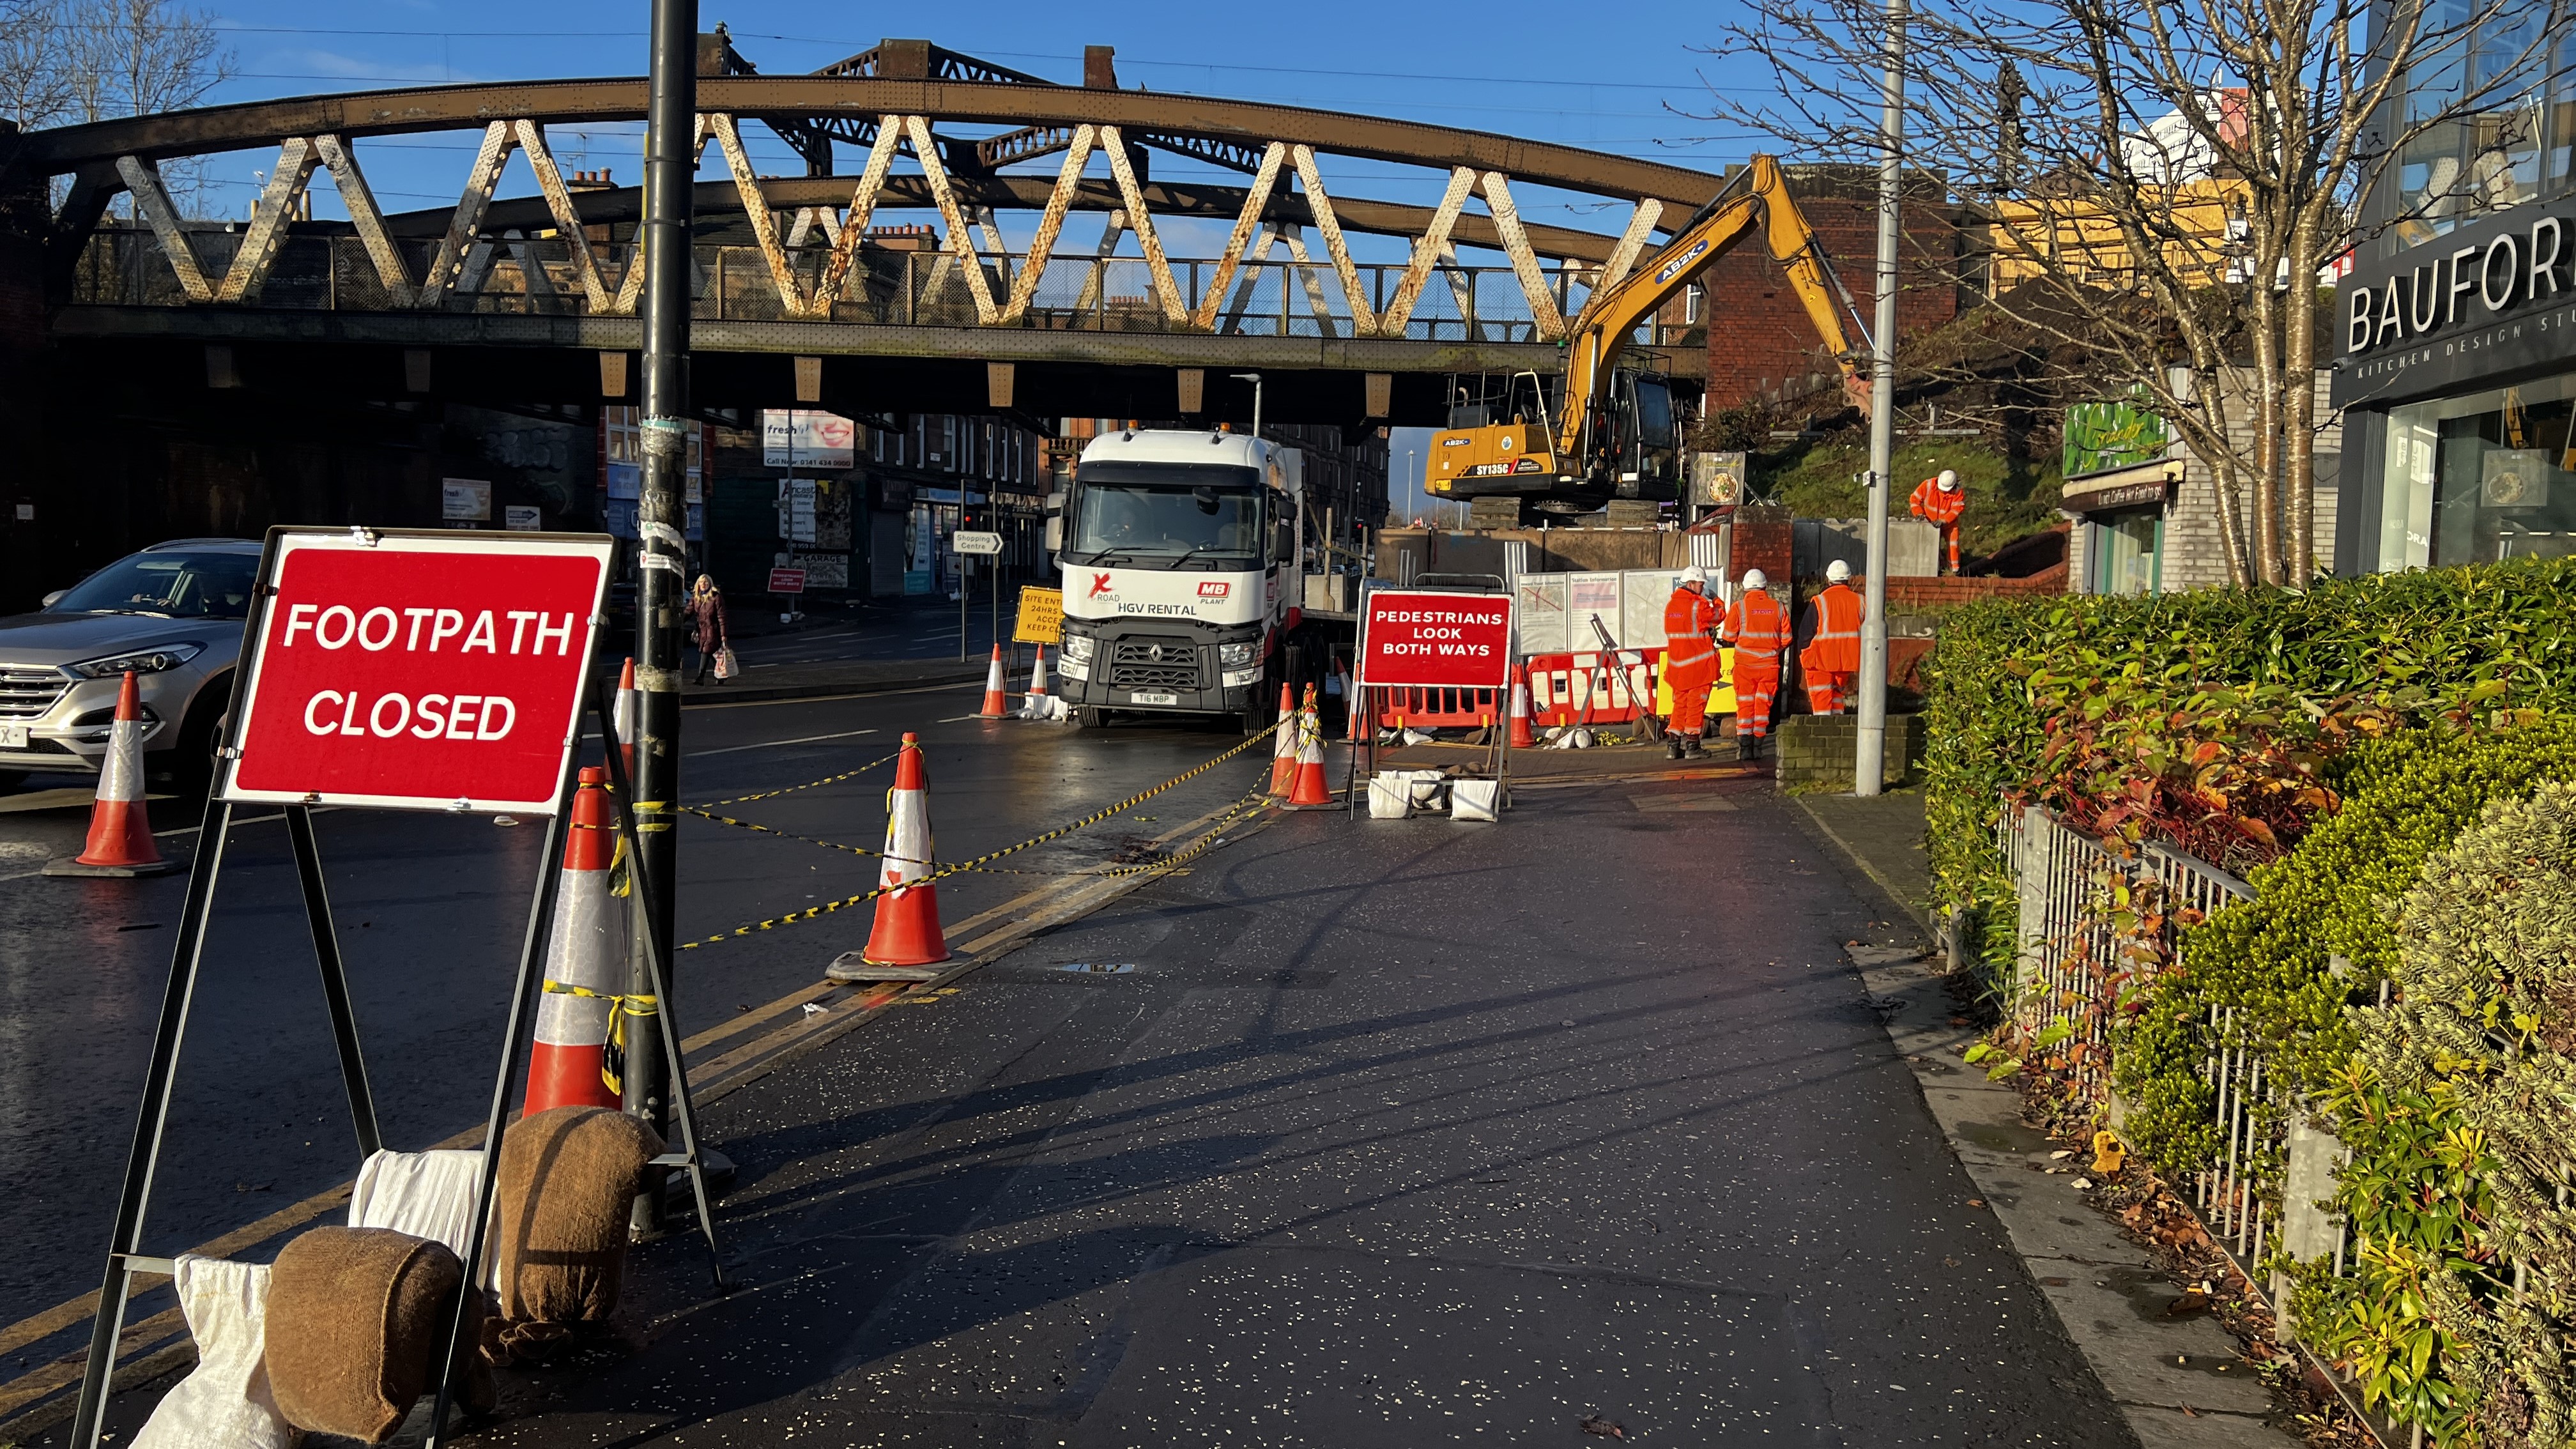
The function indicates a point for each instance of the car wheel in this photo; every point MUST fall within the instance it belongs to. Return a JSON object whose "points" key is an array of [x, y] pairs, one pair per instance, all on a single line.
{"points": [[1090, 716], [192, 760]]}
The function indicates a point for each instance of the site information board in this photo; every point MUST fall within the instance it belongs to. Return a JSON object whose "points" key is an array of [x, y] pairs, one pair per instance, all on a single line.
{"points": [[417, 671], [1427, 639]]}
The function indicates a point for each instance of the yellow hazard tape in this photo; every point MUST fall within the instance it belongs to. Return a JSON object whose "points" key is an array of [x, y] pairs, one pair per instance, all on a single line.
{"points": [[828, 907], [792, 789]]}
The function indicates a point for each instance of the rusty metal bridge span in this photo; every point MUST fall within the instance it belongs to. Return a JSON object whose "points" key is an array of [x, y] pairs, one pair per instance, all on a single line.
{"points": [[536, 295]]}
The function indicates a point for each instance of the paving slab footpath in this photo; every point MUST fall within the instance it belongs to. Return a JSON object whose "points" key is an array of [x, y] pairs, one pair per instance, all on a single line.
{"points": [[2180, 1381]]}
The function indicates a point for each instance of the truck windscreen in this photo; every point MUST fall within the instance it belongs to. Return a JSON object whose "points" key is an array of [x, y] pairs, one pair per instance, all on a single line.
{"points": [[1166, 513]]}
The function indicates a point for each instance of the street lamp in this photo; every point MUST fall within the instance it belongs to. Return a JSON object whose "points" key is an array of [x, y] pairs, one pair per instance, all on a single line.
{"points": [[1255, 379]]}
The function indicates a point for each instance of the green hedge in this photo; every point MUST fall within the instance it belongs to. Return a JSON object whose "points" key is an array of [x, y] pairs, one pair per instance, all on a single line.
{"points": [[2405, 799], [2429, 639]]}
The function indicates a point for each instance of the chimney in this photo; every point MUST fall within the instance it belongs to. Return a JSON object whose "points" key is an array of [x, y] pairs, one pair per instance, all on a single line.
{"points": [[1098, 73]]}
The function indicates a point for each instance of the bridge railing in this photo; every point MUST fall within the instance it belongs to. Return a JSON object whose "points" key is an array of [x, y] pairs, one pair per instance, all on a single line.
{"points": [[126, 266]]}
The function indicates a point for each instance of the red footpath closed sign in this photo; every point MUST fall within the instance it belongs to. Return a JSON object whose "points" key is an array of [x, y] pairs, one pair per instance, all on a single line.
{"points": [[423, 672], [1419, 638]]}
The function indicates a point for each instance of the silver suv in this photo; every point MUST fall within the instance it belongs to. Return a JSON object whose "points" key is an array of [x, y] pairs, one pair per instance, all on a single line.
{"points": [[173, 614]]}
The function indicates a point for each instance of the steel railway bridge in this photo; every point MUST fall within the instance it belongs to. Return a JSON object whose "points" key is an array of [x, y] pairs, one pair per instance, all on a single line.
{"points": [[534, 298]]}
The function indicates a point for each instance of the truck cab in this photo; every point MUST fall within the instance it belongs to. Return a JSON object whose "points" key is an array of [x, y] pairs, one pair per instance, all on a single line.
{"points": [[1181, 555]]}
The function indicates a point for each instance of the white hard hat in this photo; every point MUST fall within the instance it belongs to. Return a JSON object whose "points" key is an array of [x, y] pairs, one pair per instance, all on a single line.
{"points": [[1837, 571], [1695, 576], [1756, 579], [1949, 480]]}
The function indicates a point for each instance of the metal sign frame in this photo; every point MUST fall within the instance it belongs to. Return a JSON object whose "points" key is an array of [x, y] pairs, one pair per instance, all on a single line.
{"points": [[284, 542], [125, 1257]]}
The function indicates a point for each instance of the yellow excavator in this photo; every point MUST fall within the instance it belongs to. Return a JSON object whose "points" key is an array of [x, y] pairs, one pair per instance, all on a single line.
{"points": [[1608, 433]]}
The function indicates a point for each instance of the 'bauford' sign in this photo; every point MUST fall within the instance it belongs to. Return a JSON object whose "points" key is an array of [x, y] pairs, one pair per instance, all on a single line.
{"points": [[2483, 299]]}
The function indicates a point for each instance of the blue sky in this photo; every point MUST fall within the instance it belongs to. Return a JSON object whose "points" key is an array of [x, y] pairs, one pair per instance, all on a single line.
{"points": [[1616, 81]]}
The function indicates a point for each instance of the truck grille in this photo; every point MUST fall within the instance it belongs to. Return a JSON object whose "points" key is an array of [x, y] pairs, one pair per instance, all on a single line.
{"points": [[27, 691], [1132, 664]]}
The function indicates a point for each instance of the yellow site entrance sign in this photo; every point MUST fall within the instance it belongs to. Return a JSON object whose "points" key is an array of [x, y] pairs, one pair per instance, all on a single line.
{"points": [[1041, 616]]}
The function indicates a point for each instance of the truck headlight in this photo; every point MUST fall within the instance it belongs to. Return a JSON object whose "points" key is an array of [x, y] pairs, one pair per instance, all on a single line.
{"points": [[1077, 647], [139, 661], [1235, 656]]}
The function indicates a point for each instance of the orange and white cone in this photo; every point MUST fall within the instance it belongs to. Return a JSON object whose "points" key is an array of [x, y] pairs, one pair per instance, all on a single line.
{"points": [[1521, 739], [1283, 744], [907, 931], [585, 963], [120, 826], [629, 717], [1310, 788], [1037, 681], [995, 707]]}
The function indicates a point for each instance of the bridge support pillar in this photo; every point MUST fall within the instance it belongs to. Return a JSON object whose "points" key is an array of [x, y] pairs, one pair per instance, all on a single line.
{"points": [[25, 220]]}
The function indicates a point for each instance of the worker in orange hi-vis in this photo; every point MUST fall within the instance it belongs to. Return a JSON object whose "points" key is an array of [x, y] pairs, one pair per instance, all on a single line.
{"points": [[1831, 660], [1690, 660], [1759, 629], [1940, 501]]}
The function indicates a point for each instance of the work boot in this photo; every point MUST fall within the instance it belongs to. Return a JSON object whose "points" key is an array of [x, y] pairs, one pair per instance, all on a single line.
{"points": [[1672, 748], [1744, 747], [1691, 748]]}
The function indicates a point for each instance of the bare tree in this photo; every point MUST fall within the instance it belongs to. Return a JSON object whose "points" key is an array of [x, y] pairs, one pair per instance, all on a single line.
{"points": [[2157, 184], [68, 61]]}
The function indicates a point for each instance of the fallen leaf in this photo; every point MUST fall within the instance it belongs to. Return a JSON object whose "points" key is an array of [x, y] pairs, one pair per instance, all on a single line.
{"points": [[1976, 1202], [1600, 1427], [1959, 1021], [2192, 1301], [2083, 1184], [2062, 1153], [2108, 1154]]}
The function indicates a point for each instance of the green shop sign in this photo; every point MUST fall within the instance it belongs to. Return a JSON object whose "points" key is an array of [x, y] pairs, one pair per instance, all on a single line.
{"points": [[2104, 437]]}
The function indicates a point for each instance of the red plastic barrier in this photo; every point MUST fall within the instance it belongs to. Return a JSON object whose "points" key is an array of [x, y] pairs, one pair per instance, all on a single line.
{"points": [[1427, 709], [1588, 688]]}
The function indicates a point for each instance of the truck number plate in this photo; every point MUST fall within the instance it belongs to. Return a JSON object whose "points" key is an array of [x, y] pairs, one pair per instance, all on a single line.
{"points": [[13, 737], [1143, 697]]}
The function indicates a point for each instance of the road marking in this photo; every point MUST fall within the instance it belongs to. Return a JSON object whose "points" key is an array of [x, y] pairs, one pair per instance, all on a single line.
{"points": [[828, 698], [711, 1079], [955, 718], [774, 744]]}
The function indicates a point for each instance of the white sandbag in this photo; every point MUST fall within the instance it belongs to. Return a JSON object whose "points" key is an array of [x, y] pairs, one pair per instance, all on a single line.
{"points": [[224, 1403], [426, 1194], [1475, 799], [1418, 737], [1390, 799]]}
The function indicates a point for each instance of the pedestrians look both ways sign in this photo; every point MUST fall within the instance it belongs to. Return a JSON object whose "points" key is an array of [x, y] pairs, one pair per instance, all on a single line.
{"points": [[418, 671], [1425, 639]]}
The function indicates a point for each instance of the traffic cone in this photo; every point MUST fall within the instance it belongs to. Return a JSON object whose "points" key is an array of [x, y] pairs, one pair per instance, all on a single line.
{"points": [[1521, 739], [1310, 789], [906, 932], [1283, 746], [994, 707], [120, 827], [1038, 680], [629, 717], [585, 964]]}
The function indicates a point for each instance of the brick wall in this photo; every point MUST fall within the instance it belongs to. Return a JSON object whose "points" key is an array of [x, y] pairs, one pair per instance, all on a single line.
{"points": [[2194, 554], [1816, 750], [1911, 594], [1759, 337]]}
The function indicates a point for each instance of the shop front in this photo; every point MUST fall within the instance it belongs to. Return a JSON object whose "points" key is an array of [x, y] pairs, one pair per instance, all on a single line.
{"points": [[2457, 373]]}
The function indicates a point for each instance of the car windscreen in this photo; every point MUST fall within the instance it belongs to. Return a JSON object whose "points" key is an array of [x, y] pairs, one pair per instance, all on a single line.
{"points": [[174, 585], [1166, 513]]}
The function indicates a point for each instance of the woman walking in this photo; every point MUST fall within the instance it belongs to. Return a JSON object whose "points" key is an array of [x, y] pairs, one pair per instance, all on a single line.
{"points": [[707, 615]]}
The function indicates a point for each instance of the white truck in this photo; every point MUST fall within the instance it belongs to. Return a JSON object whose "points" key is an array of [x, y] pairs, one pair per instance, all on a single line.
{"points": [[1184, 562]]}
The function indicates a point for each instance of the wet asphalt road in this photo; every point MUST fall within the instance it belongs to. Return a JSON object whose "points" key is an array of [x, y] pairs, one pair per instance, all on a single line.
{"points": [[431, 910], [1380, 1134]]}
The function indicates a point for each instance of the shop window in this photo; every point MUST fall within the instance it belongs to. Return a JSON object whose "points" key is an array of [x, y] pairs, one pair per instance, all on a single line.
{"points": [[2127, 549], [2479, 478]]}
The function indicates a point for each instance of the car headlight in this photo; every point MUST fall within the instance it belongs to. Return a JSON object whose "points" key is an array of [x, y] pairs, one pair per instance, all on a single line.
{"points": [[1235, 656], [140, 661], [1077, 647]]}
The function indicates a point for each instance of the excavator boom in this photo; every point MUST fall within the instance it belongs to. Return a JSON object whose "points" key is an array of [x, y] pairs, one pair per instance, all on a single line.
{"points": [[1568, 461], [1760, 200]]}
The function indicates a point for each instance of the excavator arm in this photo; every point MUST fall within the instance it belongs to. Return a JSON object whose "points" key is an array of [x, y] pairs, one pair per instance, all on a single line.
{"points": [[1759, 200]]}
